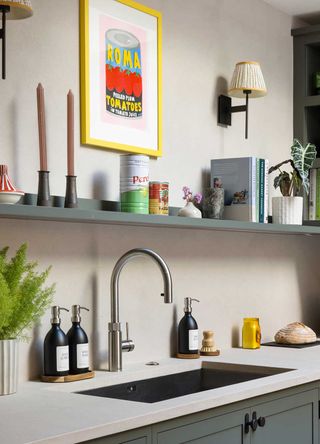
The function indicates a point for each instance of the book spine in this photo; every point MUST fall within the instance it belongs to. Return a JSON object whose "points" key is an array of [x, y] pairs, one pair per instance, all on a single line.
{"points": [[266, 190], [257, 188], [261, 200], [253, 183], [318, 194], [312, 194]]}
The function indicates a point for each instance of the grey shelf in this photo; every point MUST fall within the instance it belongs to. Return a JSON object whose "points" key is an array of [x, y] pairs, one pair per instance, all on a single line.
{"points": [[98, 212]]}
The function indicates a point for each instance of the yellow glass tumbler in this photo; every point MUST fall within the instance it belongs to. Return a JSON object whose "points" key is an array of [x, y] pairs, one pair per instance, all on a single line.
{"points": [[251, 333]]}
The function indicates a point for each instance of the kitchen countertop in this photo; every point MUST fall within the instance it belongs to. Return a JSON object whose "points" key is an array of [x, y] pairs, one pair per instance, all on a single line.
{"points": [[52, 413]]}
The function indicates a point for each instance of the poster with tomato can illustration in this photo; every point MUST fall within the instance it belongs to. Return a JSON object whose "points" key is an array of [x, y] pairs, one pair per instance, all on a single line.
{"points": [[121, 99]]}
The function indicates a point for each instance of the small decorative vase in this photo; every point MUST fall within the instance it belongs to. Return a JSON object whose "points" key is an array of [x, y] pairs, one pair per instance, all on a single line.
{"points": [[189, 210], [8, 193], [213, 203], [8, 366], [287, 210]]}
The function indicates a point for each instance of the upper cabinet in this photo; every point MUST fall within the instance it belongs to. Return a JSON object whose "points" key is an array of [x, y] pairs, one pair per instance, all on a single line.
{"points": [[306, 43]]}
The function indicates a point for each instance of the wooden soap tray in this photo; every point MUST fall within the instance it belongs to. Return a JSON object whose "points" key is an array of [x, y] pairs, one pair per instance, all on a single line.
{"points": [[68, 378]]}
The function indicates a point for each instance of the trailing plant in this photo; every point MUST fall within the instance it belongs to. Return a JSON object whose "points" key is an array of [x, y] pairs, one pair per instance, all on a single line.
{"points": [[23, 297], [292, 183]]}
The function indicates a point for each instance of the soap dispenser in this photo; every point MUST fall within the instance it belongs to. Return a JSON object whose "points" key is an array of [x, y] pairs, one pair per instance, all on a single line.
{"points": [[188, 334], [56, 350], [78, 343]]}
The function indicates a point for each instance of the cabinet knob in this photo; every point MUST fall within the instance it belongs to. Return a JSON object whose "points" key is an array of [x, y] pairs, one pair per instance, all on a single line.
{"points": [[261, 421], [253, 423]]}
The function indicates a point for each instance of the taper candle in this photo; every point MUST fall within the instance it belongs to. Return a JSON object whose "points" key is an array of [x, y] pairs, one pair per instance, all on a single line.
{"points": [[42, 129], [70, 134]]}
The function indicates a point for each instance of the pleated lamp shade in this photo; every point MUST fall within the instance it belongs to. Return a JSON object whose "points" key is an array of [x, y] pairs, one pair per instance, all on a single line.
{"points": [[19, 9], [247, 76]]}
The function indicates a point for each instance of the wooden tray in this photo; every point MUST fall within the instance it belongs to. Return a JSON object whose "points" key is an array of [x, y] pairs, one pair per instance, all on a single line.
{"points": [[68, 378], [215, 353], [187, 356], [275, 344]]}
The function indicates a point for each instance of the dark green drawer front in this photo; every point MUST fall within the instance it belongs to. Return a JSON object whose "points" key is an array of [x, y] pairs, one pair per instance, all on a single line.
{"points": [[139, 436]]}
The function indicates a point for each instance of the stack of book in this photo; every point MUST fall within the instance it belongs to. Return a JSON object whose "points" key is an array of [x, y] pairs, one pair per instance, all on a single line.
{"points": [[314, 192], [245, 183]]}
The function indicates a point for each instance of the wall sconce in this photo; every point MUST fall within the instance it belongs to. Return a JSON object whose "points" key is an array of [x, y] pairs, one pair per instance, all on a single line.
{"points": [[247, 81], [11, 10]]}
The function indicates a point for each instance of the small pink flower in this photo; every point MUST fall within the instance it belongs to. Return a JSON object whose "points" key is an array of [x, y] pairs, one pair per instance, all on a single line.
{"points": [[187, 195]]}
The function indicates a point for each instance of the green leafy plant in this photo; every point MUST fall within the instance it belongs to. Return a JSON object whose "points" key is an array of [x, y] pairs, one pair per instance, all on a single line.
{"points": [[292, 183], [23, 297]]}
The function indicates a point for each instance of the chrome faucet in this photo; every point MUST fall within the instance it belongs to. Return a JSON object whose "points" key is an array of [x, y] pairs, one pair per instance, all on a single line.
{"points": [[116, 344]]}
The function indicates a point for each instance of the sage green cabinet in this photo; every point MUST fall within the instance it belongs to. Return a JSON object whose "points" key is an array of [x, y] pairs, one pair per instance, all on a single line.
{"points": [[223, 429], [286, 417], [292, 419], [137, 436]]}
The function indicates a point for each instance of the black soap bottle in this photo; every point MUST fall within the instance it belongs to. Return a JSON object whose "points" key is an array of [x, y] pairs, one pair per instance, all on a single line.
{"points": [[56, 349], [188, 334], [78, 343]]}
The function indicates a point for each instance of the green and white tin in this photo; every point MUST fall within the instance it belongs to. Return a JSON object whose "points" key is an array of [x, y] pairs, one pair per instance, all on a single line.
{"points": [[134, 183]]}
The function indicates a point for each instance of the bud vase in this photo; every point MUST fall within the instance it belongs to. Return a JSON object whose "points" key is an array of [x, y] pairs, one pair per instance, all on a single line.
{"points": [[189, 210]]}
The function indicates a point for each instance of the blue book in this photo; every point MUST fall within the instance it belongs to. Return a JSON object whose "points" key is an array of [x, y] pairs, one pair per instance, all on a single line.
{"points": [[238, 176]]}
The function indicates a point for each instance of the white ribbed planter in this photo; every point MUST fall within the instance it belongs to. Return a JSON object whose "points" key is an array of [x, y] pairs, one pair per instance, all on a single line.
{"points": [[8, 366], [287, 210]]}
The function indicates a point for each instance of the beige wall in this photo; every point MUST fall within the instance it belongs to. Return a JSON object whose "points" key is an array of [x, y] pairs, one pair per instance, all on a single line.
{"points": [[234, 275]]}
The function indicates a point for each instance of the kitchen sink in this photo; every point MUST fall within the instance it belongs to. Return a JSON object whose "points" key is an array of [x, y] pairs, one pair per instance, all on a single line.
{"points": [[209, 376]]}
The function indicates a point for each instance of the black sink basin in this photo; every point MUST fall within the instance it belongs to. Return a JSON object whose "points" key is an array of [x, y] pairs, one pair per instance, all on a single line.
{"points": [[209, 376]]}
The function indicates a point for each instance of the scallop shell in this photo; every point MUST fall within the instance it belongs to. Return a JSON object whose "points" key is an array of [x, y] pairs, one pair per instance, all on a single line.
{"points": [[295, 333]]}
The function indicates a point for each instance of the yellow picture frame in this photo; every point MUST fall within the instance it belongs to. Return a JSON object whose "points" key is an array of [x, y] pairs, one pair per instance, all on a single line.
{"points": [[86, 122]]}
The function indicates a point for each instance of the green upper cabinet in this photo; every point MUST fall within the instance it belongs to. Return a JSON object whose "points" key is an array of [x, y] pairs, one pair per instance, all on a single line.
{"points": [[306, 43]]}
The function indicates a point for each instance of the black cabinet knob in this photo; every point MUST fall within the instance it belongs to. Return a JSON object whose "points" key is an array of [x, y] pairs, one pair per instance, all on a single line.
{"points": [[261, 421], [253, 423]]}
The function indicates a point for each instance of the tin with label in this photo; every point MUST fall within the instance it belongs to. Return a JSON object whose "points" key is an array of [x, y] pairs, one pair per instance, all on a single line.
{"points": [[134, 183], [164, 198], [123, 74], [154, 198]]}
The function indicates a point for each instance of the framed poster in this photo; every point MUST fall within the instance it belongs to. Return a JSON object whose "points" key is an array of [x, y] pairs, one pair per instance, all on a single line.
{"points": [[121, 107]]}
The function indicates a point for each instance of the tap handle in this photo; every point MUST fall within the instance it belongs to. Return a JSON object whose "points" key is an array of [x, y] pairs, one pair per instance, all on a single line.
{"points": [[127, 345], [127, 330]]}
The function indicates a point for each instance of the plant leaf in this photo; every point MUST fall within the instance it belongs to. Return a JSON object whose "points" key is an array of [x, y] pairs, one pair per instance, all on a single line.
{"points": [[303, 158]]}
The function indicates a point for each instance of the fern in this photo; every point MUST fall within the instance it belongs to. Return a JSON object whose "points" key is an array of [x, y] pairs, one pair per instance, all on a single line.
{"points": [[23, 297]]}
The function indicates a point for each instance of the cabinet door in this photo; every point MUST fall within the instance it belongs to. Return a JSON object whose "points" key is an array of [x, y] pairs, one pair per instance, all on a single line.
{"points": [[138, 436], [224, 429], [292, 419]]}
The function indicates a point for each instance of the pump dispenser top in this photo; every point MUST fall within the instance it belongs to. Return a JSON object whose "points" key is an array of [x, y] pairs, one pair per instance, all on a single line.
{"points": [[188, 304]]}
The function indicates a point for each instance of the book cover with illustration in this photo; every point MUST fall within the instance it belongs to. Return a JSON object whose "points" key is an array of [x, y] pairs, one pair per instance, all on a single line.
{"points": [[238, 176]]}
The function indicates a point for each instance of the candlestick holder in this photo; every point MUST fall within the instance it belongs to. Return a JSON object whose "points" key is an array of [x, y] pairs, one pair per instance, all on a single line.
{"points": [[71, 200], [44, 198]]}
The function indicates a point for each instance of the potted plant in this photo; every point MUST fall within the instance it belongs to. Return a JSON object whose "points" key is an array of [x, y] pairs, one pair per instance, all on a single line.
{"points": [[23, 300], [288, 208]]}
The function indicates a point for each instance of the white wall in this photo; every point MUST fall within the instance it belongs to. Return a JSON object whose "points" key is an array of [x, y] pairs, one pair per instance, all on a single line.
{"points": [[234, 275]]}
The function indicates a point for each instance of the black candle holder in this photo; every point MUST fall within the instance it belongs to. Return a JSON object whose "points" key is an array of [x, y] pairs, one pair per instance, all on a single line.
{"points": [[44, 198], [71, 200]]}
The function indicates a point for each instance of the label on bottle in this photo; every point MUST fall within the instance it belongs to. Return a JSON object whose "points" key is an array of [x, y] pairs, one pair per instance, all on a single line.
{"points": [[83, 355], [62, 358], [193, 340]]}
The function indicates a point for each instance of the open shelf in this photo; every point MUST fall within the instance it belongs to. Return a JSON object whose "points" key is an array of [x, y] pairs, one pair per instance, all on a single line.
{"points": [[97, 212]]}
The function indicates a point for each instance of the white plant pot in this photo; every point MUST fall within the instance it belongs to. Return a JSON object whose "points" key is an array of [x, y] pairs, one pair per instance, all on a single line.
{"points": [[287, 210], [8, 366], [189, 210]]}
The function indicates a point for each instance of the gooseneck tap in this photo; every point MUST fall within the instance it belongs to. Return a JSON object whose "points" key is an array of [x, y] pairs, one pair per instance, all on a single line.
{"points": [[116, 344]]}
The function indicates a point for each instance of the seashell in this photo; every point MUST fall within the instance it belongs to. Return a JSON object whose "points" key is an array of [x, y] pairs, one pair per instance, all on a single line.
{"points": [[295, 333]]}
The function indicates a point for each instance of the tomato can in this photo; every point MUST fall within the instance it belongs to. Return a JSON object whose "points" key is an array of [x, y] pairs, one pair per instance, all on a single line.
{"points": [[134, 183], [123, 74], [154, 198]]}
